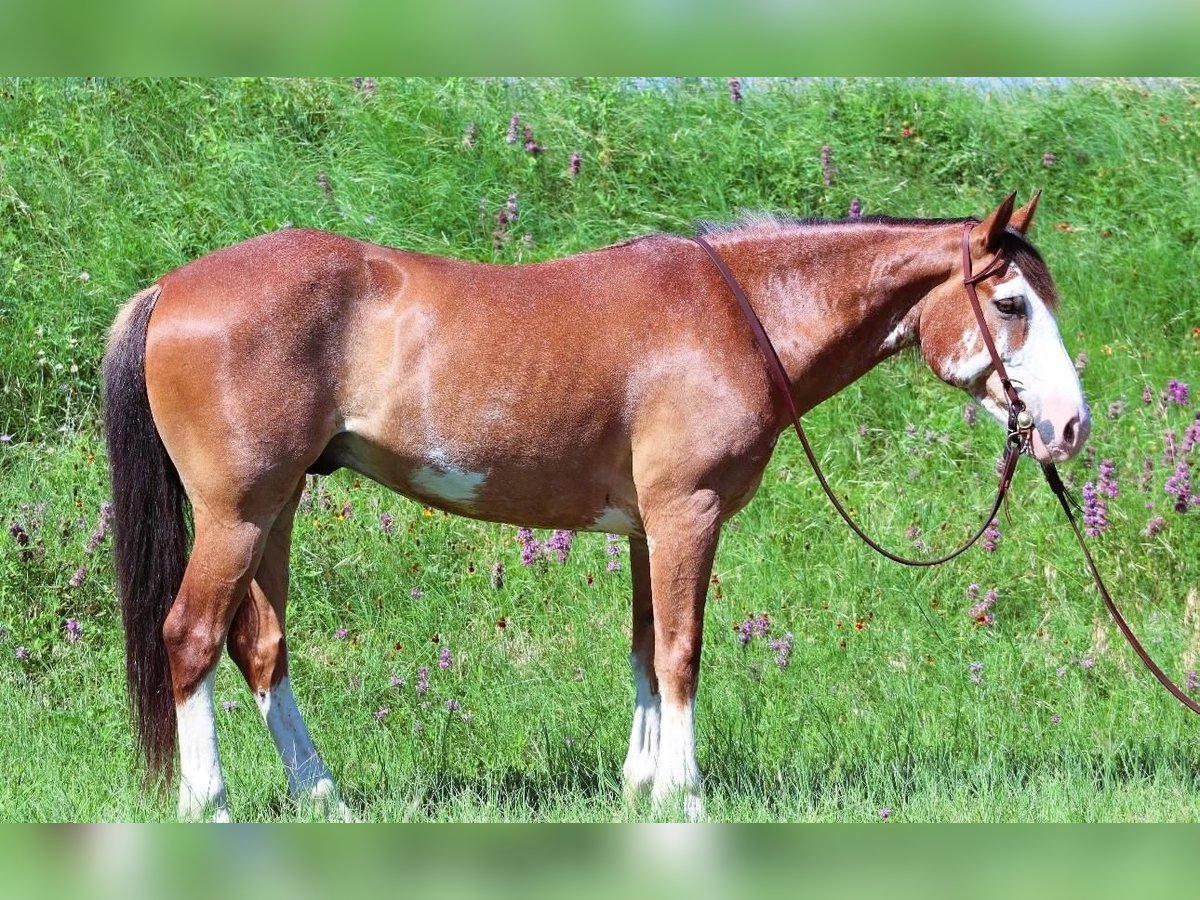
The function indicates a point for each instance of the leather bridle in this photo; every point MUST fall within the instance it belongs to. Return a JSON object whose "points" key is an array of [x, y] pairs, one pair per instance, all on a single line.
{"points": [[1020, 429]]}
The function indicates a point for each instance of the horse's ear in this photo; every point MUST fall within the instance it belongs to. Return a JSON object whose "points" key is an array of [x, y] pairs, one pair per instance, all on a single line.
{"points": [[987, 235], [1022, 218]]}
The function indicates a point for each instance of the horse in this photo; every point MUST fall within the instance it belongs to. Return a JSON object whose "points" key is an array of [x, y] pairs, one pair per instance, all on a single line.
{"points": [[233, 377]]}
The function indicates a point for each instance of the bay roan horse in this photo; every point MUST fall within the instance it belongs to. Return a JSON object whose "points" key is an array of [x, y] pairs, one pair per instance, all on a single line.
{"points": [[300, 351]]}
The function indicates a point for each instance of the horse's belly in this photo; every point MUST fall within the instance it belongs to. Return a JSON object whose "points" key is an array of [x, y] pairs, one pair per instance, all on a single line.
{"points": [[582, 491]]}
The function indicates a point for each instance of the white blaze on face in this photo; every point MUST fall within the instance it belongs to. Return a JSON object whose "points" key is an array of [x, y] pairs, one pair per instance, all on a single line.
{"points": [[1039, 368]]}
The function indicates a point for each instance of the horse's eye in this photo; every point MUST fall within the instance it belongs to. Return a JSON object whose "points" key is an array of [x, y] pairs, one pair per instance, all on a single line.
{"points": [[1010, 306]]}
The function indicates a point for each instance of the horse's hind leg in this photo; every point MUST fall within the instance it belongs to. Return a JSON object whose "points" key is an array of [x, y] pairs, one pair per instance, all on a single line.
{"points": [[258, 644], [223, 560], [642, 759]]}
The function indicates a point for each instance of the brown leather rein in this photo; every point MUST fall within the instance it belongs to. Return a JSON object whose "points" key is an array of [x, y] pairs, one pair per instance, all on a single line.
{"points": [[1020, 427]]}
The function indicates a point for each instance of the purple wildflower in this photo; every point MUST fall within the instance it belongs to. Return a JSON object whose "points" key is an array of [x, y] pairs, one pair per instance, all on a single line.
{"points": [[387, 523], [530, 145], [470, 135], [73, 630], [1087, 663], [382, 713], [855, 209], [573, 165], [827, 169], [1055, 719], [1060, 671], [782, 648], [531, 547], [1154, 526], [1048, 159], [513, 124], [445, 658], [1191, 437], [560, 543], [1147, 395], [976, 669], [96, 538], [530, 552], [1147, 474], [22, 653], [761, 625], [972, 591], [969, 414], [735, 90], [19, 534], [365, 86], [416, 593], [452, 705], [1095, 513], [5, 438], [230, 705], [1107, 482], [613, 550], [396, 681], [885, 814], [79, 577], [1179, 486], [342, 633], [512, 207], [979, 612], [347, 510], [422, 681], [991, 537], [745, 632], [1193, 682], [1176, 392], [497, 579]]}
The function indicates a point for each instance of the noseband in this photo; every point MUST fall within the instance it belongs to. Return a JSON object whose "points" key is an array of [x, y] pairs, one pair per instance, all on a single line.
{"points": [[1020, 429]]}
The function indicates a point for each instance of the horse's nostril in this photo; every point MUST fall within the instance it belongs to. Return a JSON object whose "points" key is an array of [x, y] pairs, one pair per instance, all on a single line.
{"points": [[1069, 432]]}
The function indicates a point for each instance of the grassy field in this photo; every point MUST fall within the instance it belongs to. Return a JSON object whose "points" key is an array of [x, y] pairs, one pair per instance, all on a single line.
{"points": [[896, 697]]}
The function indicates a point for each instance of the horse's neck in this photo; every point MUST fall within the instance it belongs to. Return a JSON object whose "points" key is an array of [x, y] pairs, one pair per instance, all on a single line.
{"points": [[836, 300]]}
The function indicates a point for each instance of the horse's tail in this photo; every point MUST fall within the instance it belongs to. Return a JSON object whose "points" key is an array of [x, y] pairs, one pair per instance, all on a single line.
{"points": [[150, 536]]}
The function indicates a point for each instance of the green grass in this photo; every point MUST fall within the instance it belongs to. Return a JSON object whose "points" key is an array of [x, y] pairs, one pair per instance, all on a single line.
{"points": [[123, 180]]}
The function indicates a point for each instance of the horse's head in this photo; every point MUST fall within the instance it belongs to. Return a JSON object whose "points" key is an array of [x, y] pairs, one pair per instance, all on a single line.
{"points": [[1016, 302]]}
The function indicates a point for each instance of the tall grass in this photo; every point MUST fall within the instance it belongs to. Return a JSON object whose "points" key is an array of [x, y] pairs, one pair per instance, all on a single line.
{"points": [[104, 185]]}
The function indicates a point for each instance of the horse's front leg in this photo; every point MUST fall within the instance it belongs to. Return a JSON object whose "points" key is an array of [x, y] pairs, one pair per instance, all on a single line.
{"points": [[642, 760], [681, 537]]}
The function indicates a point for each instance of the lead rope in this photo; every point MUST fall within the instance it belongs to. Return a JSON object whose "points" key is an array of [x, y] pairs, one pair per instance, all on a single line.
{"points": [[1060, 491], [1020, 425], [780, 380]]}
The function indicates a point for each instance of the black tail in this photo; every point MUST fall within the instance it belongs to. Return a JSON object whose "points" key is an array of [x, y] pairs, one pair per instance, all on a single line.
{"points": [[150, 533]]}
